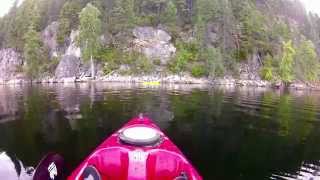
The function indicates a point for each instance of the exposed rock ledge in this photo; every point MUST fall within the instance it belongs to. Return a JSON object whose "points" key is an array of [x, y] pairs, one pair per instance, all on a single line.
{"points": [[169, 79]]}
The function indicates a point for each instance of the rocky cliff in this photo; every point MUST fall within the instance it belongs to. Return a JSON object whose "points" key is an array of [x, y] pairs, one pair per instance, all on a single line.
{"points": [[49, 38], [11, 65], [154, 43]]}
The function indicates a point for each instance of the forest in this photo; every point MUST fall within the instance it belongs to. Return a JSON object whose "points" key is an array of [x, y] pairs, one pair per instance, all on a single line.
{"points": [[212, 37]]}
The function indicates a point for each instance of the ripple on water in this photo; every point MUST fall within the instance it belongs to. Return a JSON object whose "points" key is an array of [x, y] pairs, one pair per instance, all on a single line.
{"points": [[239, 134]]}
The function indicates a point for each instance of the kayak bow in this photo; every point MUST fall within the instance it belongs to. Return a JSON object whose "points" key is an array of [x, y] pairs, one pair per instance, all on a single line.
{"points": [[139, 150]]}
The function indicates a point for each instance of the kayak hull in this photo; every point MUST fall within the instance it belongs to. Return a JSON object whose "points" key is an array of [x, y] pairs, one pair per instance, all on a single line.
{"points": [[116, 160]]}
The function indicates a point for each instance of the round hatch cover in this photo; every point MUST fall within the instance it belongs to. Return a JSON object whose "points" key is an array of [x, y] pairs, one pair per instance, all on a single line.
{"points": [[140, 136]]}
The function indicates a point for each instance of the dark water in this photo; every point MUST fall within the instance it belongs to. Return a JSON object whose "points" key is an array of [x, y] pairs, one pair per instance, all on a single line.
{"points": [[226, 133]]}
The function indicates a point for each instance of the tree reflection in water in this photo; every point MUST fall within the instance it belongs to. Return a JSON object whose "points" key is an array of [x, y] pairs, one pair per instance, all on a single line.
{"points": [[228, 133]]}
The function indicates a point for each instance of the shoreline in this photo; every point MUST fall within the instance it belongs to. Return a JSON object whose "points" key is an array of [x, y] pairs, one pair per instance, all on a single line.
{"points": [[165, 80]]}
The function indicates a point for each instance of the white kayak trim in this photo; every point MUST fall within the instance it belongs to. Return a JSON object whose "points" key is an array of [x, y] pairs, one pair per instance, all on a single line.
{"points": [[140, 133]]}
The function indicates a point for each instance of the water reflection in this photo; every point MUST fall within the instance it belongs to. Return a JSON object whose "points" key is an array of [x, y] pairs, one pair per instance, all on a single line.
{"points": [[8, 104], [228, 133]]}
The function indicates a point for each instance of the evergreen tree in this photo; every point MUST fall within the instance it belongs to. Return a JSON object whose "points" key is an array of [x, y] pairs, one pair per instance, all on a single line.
{"points": [[159, 6], [90, 31], [63, 31], [206, 11], [27, 15], [267, 71], [286, 63], [32, 52], [12, 36], [70, 11], [251, 29], [214, 61], [54, 10], [169, 16], [306, 62], [225, 30], [122, 16], [68, 20]]}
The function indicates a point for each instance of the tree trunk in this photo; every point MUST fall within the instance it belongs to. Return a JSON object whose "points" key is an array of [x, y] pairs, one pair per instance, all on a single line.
{"points": [[92, 68]]}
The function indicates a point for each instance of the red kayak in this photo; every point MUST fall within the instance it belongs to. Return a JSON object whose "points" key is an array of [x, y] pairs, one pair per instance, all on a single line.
{"points": [[138, 151]]}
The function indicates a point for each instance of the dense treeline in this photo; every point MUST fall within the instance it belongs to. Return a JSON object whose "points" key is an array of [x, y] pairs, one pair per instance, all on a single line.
{"points": [[221, 34]]}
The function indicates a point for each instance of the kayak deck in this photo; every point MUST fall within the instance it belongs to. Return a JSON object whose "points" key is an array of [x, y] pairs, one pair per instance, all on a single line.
{"points": [[117, 160]]}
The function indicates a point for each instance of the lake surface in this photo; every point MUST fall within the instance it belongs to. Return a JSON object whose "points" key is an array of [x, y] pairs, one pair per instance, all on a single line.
{"points": [[227, 133]]}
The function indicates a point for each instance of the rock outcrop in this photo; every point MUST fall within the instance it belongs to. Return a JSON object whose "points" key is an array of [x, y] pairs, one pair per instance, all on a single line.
{"points": [[250, 70], [73, 49], [10, 64], [153, 43], [49, 38], [68, 67]]}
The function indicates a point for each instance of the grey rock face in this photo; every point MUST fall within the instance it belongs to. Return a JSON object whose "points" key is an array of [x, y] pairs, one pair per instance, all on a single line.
{"points": [[298, 86], [10, 64], [68, 67], [148, 33], [215, 33], [153, 43], [49, 38], [212, 35], [73, 49], [250, 70]]}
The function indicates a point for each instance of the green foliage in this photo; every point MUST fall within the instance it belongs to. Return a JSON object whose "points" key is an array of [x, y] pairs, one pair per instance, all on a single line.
{"points": [[286, 63], [111, 57], [185, 53], [63, 31], [33, 52], [49, 65], [206, 10], [252, 28], [198, 70], [169, 16], [216, 33], [109, 67], [23, 17], [157, 62], [281, 30], [141, 64], [108, 54], [10, 31], [214, 61], [68, 19], [267, 72], [155, 12], [70, 11], [306, 62], [122, 16], [90, 30], [180, 61]]}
